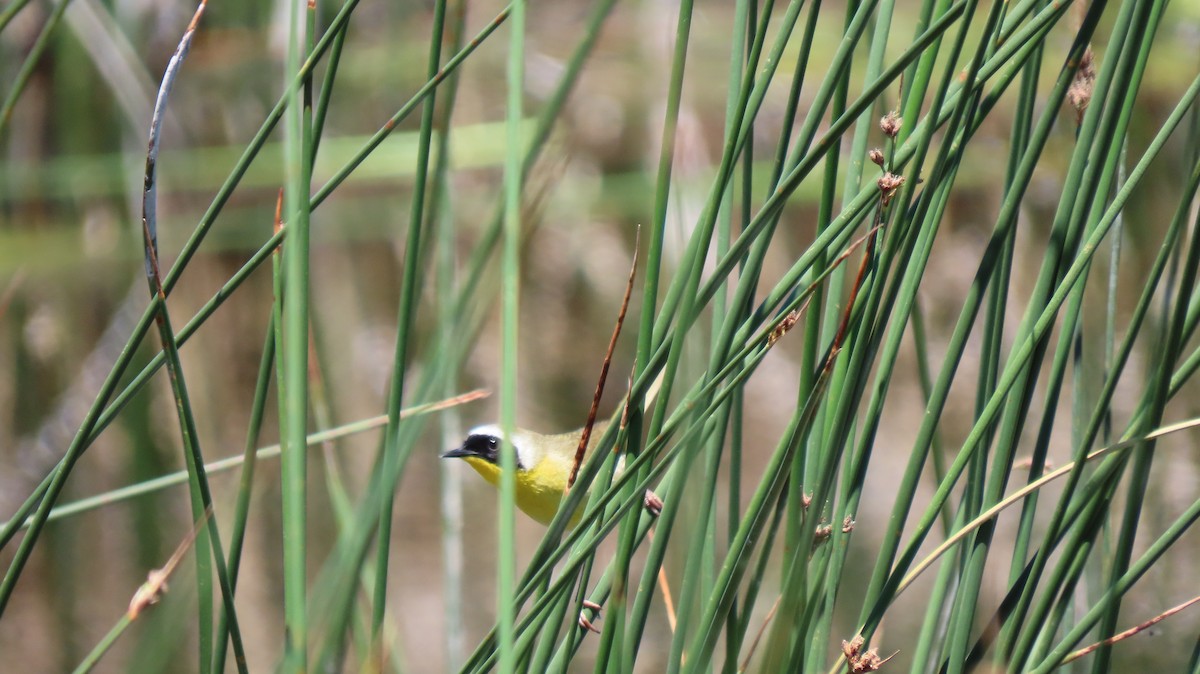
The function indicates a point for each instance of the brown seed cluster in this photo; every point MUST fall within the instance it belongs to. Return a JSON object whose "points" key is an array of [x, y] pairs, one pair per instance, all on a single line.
{"points": [[890, 124], [782, 329], [888, 184], [1080, 93], [862, 661], [149, 593], [824, 531]]}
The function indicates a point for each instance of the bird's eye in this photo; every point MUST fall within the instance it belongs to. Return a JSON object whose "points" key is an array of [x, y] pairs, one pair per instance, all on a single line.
{"points": [[492, 443]]}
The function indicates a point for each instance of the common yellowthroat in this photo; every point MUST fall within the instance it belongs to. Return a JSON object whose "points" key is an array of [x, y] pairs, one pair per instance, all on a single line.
{"points": [[543, 466]]}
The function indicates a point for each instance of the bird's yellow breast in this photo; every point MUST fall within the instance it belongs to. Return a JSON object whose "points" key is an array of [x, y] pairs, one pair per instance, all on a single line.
{"points": [[539, 489]]}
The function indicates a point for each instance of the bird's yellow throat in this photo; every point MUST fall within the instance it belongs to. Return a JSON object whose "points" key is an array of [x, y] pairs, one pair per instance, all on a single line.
{"points": [[539, 488]]}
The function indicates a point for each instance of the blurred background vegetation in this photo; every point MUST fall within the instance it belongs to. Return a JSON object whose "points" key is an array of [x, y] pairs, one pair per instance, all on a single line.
{"points": [[72, 287]]}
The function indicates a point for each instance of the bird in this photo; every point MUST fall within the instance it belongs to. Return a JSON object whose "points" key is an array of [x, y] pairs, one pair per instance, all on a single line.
{"points": [[543, 464]]}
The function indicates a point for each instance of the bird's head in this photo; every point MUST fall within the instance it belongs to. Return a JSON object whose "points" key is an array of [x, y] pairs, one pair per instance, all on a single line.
{"points": [[482, 450]]}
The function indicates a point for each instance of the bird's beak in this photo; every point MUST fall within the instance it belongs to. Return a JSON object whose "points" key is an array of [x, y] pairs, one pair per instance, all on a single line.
{"points": [[457, 453]]}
